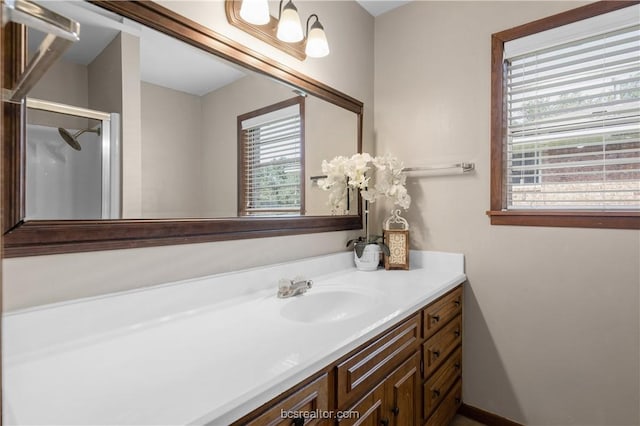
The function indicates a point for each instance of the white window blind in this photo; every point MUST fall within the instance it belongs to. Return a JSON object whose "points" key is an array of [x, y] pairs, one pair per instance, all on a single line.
{"points": [[272, 164], [573, 124]]}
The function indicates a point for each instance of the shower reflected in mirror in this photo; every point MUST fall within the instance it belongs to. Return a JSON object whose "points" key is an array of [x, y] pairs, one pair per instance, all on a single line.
{"points": [[72, 162]]}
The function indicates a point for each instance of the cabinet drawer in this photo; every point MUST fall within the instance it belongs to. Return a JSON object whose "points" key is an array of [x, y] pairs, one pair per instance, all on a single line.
{"points": [[447, 410], [313, 396], [371, 364], [436, 388], [439, 346], [436, 315]]}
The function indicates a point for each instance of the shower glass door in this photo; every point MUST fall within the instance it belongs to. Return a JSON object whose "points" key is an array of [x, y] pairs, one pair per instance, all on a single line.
{"points": [[72, 162]]}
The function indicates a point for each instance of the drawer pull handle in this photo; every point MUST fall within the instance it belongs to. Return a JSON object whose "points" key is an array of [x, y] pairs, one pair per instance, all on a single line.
{"points": [[436, 393], [458, 400], [435, 318], [457, 333], [298, 421], [395, 411], [457, 302], [457, 365], [384, 422], [436, 354]]}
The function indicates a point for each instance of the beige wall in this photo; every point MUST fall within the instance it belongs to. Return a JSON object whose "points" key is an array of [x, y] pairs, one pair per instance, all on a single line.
{"points": [[552, 314], [37, 280], [171, 153], [131, 127], [66, 83], [105, 78]]}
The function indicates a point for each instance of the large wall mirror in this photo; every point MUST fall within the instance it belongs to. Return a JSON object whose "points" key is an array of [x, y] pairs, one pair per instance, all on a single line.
{"points": [[155, 130]]}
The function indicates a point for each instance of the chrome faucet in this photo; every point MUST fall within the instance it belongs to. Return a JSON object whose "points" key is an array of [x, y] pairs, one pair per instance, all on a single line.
{"points": [[290, 288]]}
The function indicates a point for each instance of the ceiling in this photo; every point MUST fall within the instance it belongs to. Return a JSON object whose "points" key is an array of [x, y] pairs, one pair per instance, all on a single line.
{"points": [[378, 7]]}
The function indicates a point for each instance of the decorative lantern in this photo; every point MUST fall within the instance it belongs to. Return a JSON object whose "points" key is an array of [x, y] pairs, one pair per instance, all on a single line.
{"points": [[395, 231]]}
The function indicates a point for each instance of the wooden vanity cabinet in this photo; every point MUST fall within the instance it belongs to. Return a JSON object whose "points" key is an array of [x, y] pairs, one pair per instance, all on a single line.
{"points": [[409, 375]]}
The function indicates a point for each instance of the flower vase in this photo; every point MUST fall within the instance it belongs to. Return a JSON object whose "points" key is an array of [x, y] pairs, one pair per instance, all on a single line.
{"points": [[370, 258]]}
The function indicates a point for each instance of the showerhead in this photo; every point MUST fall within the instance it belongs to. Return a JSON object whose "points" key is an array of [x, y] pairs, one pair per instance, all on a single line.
{"points": [[69, 139], [72, 140]]}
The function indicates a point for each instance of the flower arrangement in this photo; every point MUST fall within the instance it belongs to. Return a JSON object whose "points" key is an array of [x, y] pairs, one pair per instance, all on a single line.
{"points": [[375, 177]]}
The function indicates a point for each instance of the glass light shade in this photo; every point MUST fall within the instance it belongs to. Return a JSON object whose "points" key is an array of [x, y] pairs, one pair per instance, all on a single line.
{"points": [[289, 27], [317, 45], [255, 11]]}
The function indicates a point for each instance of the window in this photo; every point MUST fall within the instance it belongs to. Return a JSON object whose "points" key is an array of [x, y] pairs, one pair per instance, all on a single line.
{"points": [[566, 120], [271, 148], [524, 168]]}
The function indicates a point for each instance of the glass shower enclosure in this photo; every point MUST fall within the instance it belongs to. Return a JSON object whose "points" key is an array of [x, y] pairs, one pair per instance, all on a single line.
{"points": [[72, 162]]}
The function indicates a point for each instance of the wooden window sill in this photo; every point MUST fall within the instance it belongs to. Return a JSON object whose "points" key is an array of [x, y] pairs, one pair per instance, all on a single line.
{"points": [[569, 219]]}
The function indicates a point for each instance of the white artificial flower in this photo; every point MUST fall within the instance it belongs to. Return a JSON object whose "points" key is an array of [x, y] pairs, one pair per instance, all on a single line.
{"points": [[375, 177]]}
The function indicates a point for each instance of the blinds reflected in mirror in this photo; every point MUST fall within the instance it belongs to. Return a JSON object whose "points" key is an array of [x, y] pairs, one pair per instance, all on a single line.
{"points": [[271, 146]]}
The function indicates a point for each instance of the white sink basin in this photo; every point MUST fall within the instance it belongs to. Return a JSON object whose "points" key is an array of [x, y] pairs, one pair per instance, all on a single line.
{"points": [[321, 305]]}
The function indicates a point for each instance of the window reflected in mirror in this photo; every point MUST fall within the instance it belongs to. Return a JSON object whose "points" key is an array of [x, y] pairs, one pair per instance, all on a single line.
{"points": [[271, 146]]}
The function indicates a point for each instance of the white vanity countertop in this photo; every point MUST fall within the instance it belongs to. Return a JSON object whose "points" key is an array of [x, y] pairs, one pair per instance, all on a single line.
{"points": [[204, 351]]}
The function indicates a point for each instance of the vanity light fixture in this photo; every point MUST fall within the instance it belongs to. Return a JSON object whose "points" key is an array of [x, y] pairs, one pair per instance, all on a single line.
{"points": [[255, 11], [317, 45], [284, 32]]}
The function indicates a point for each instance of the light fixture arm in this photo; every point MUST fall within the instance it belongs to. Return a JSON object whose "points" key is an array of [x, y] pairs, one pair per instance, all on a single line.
{"points": [[315, 24], [280, 10]]}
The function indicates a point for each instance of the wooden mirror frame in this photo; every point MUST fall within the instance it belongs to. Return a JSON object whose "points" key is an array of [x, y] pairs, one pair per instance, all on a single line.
{"points": [[40, 237]]}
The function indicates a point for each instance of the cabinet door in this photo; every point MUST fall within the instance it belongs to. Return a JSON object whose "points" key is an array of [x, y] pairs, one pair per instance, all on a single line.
{"points": [[402, 393], [369, 411]]}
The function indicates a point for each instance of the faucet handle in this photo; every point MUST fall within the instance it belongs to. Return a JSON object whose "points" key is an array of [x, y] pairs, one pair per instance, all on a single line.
{"points": [[299, 279]]}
